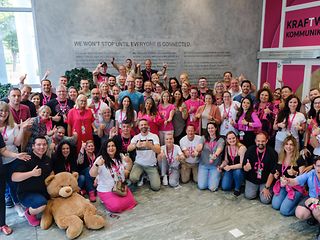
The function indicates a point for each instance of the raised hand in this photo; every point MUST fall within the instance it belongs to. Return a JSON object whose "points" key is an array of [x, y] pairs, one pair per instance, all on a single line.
{"points": [[36, 172]]}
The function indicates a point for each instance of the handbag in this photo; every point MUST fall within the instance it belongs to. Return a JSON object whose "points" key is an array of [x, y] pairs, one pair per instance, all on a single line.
{"points": [[120, 188]]}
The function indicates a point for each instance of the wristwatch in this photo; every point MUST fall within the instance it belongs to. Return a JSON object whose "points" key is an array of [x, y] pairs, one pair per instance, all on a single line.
{"points": [[266, 187]]}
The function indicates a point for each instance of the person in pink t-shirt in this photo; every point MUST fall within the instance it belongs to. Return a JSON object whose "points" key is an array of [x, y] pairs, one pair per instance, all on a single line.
{"points": [[80, 119], [151, 114], [192, 105], [166, 111]]}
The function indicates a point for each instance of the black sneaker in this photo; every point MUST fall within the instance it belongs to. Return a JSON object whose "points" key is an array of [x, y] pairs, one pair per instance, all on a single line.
{"points": [[236, 193], [9, 202]]}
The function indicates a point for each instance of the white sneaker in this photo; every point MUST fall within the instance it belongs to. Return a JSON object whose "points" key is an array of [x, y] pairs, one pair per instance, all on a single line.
{"points": [[140, 183], [19, 209], [165, 180]]}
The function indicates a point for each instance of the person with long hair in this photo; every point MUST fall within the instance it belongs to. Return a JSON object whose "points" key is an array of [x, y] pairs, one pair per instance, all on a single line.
{"points": [[192, 106], [247, 122], [173, 85], [208, 112], [228, 111], [13, 137], [125, 112], [210, 158], [166, 110], [232, 164], [108, 169], [265, 110], [86, 159], [309, 206], [289, 121], [180, 116], [35, 98], [286, 198], [151, 114], [185, 89], [79, 120]]}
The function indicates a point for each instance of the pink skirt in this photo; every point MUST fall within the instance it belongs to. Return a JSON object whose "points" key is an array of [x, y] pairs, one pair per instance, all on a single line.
{"points": [[115, 203]]}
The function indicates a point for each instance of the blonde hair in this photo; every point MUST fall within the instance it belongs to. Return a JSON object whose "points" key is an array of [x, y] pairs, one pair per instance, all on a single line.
{"points": [[45, 107], [5, 107], [162, 94], [238, 143], [81, 95], [282, 154]]}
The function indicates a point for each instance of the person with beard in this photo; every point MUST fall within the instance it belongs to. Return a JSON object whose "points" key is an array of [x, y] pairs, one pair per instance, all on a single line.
{"points": [[147, 86], [258, 164], [139, 84], [46, 92], [246, 86], [25, 94], [147, 146], [61, 106], [148, 71], [58, 137]]}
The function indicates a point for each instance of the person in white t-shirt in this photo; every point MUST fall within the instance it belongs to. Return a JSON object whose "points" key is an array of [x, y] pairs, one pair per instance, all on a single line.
{"points": [[170, 158], [191, 145], [147, 146]]}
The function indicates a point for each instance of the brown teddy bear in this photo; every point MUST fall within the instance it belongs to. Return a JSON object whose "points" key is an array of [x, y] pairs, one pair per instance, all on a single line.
{"points": [[68, 208]]}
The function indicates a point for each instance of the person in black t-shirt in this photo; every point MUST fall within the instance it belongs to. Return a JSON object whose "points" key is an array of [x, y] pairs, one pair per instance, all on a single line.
{"points": [[60, 106], [258, 164], [30, 176], [6, 153]]}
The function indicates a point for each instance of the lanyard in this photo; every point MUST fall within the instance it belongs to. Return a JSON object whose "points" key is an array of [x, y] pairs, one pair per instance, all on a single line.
{"points": [[290, 122], [225, 110], [63, 108], [95, 110], [283, 168], [121, 119], [169, 156], [316, 185], [125, 144], [149, 75], [232, 156], [259, 165], [46, 99], [91, 160], [68, 168], [211, 145]]}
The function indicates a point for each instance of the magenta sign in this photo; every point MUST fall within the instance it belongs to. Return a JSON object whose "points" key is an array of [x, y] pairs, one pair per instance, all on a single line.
{"points": [[302, 28]]}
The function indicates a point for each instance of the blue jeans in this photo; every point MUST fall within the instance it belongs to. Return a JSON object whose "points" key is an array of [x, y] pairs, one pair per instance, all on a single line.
{"points": [[33, 200], [230, 178], [88, 180], [208, 177], [11, 188], [287, 206]]}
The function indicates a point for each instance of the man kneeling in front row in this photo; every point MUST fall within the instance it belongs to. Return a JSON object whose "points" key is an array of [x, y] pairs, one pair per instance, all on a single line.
{"points": [[147, 146]]}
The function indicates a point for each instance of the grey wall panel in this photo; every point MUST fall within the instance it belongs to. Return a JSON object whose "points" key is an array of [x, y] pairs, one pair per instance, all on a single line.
{"points": [[218, 35]]}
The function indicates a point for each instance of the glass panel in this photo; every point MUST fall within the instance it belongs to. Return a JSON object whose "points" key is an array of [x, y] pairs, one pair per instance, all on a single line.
{"points": [[17, 48], [16, 3]]}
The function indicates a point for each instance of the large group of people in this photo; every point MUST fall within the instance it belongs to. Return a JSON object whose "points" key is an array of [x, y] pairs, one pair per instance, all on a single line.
{"points": [[142, 126]]}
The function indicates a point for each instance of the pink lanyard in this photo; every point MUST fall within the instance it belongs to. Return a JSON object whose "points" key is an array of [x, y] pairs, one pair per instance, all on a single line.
{"points": [[316, 185], [225, 110], [148, 75], [125, 144], [169, 157], [68, 168], [46, 99], [211, 145], [283, 169], [231, 154], [259, 165], [290, 122], [95, 110], [121, 119], [63, 108], [91, 160]]}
